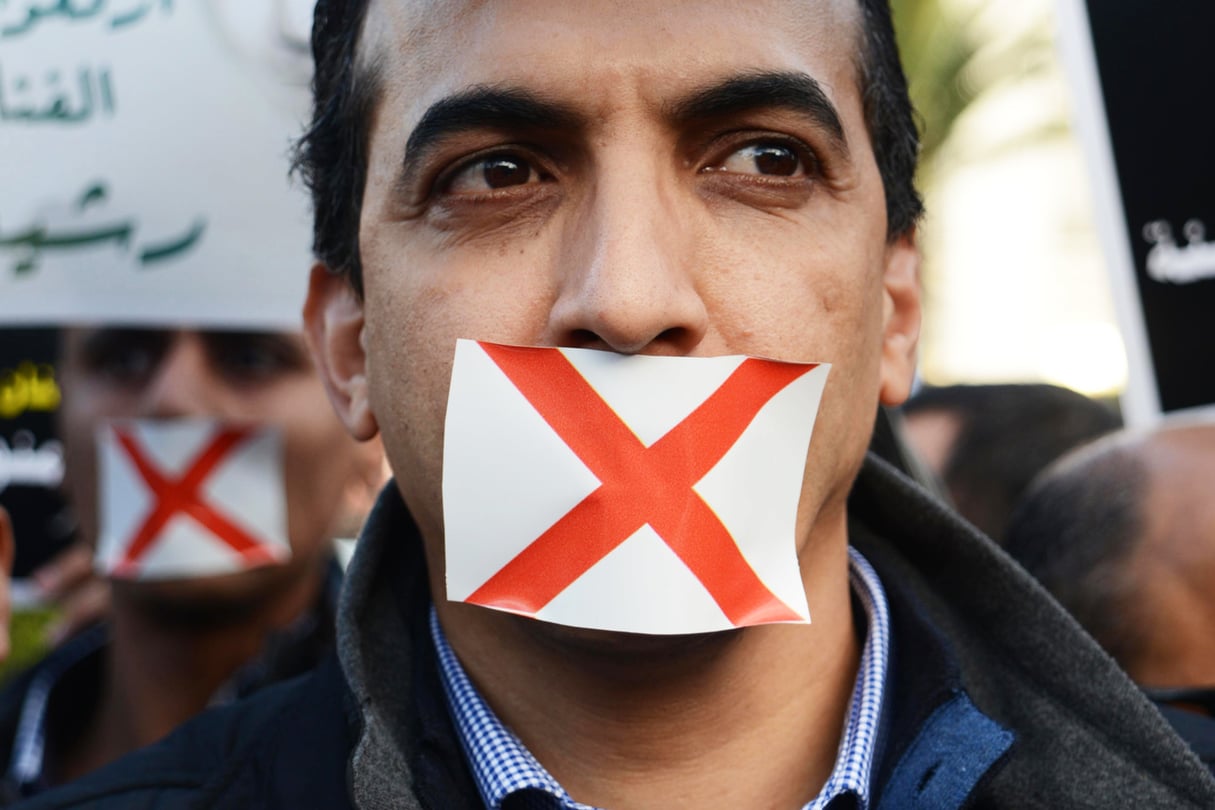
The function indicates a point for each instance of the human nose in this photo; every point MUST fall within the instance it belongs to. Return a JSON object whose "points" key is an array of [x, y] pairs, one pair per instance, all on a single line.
{"points": [[627, 272], [181, 383]]}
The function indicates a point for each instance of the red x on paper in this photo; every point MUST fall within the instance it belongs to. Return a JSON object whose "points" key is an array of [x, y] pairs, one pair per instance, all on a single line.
{"points": [[639, 485], [182, 496]]}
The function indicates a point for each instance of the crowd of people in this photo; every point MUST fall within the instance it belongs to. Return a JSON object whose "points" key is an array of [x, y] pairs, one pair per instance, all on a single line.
{"points": [[519, 210]]}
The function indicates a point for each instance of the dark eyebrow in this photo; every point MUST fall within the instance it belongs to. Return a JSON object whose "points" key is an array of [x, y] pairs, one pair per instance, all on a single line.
{"points": [[754, 91], [484, 107]]}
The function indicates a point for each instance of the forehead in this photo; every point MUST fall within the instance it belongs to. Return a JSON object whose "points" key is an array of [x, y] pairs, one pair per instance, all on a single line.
{"points": [[605, 52]]}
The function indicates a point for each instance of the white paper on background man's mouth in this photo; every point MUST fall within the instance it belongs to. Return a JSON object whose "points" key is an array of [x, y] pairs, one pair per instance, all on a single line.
{"points": [[629, 493], [187, 498]]}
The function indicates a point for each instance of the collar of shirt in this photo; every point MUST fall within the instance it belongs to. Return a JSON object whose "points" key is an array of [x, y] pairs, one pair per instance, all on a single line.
{"points": [[503, 767]]}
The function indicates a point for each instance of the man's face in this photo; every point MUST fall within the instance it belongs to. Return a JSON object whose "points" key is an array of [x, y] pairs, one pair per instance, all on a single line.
{"points": [[262, 378], [677, 178]]}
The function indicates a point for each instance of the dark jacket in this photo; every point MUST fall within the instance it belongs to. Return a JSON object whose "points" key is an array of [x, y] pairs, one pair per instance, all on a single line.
{"points": [[53, 701], [996, 698]]}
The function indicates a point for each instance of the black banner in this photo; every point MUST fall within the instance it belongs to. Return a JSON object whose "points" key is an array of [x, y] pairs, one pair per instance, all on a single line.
{"points": [[31, 458], [1156, 71]]}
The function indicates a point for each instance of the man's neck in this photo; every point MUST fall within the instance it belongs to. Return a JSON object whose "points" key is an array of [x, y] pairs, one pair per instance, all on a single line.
{"points": [[641, 722], [160, 674]]}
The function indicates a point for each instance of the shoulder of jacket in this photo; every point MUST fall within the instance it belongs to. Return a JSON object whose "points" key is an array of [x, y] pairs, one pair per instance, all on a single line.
{"points": [[224, 750]]}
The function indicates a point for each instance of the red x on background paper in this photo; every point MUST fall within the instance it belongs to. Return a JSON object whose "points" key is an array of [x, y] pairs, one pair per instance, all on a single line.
{"points": [[639, 485], [183, 495]]}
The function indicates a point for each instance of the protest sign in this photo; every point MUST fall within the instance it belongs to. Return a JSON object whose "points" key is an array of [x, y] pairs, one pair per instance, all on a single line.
{"points": [[31, 457], [1139, 72], [145, 172]]}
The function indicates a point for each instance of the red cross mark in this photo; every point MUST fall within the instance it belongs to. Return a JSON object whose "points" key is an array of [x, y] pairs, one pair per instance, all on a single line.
{"points": [[639, 485], [182, 496]]}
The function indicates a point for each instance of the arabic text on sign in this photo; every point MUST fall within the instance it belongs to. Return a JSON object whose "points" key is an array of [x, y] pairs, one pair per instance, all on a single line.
{"points": [[54, 100], [25, 465], [18, 19], [33, 240], [1169, 262], [29, 387]]}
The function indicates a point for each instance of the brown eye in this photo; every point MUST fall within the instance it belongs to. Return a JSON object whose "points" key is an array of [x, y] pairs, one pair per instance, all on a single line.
{"points": [[771, 159], [493, 172], [502, 172]]}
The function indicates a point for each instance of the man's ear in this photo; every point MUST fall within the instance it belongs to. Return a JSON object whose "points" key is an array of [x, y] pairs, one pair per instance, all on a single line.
{"points": [[333, 325], [901, 318]]}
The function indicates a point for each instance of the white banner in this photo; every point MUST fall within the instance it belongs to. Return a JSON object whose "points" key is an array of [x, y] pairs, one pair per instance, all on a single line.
{"points": [[637, 494], [144, 177]]}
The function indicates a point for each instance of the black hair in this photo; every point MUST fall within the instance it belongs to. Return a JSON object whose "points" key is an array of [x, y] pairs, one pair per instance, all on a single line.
{"points": [[331, 156], [1007, 434], [1077, 530], [889, 117]]}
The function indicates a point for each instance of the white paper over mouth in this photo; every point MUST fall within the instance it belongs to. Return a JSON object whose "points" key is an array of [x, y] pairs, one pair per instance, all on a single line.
{"points": [[629, 493], [189, 498]]}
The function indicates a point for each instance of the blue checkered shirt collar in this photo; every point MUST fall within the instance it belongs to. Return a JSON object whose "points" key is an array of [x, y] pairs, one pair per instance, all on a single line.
{"points": [[503, 767]]}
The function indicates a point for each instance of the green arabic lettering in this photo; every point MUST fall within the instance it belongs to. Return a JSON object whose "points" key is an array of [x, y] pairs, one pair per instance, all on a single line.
{"points": [[94, 193], [130, 17], [135, 15], [114, 233], [69, 10], [107, 92], [60, 8], [170, 249], [7, 114], [36, 239], [31, 238], [59, 109]]}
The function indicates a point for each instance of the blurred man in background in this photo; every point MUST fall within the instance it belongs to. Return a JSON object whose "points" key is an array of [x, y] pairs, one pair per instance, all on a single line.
{"points": [[987, 442], [1122, 533], [170, 648], [152, 216]]}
